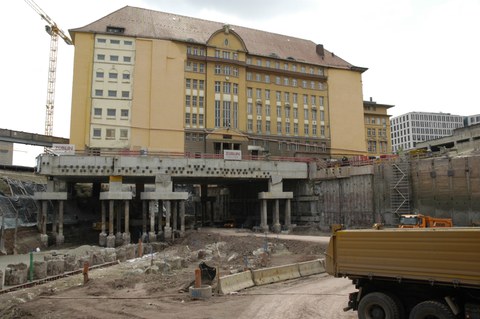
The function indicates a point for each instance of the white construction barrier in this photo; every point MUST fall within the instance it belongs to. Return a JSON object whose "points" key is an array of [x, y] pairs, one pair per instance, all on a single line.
{"points": [[236, 282], [312, 267], [275, 274]]}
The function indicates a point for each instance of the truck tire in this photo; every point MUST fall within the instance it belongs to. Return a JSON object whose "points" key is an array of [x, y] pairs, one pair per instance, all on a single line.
{"points": [[431, 309], [377, 305]]}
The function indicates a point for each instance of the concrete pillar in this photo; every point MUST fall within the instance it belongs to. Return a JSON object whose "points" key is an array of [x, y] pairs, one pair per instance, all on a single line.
{"points": [[43, 224], [102, 238], [160, 220], [276, 217], [167, 229], [144, 220], [288, 214], [126, 234], [263, 215], [182, 217], [60, 238], [54, 218], [111, 234], [174, 215], [151, 209], [118, 234]]}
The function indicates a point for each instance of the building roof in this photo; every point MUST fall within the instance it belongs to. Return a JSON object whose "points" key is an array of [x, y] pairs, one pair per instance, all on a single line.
{"points": [[144, 23]]}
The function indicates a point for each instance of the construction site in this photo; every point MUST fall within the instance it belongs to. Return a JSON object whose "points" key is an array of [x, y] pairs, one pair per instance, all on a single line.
{"points": [[140, 279]]}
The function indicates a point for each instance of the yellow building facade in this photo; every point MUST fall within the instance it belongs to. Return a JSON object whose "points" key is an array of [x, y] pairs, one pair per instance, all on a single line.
{"points": [[377, 128], [174, 84]]}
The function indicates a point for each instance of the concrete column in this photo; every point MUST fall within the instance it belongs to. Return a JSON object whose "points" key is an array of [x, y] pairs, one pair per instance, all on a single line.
{"points": [[111, 235], [288, 214], [167, 229], [160, 220], [174, 215], [276, 217], [144, 220], [102, 238], [43, 224], [151, 208], [54, 218], [126, 234], [118, 234], [182, 217], [263, 215], [60, 238]]}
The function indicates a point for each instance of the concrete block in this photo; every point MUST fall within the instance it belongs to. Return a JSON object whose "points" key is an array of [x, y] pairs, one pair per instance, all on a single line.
{"points": [[176, 262], [39, 270], [82, 260], [236, 282], [110, 255], [163, 266], [275, 274], [55, 266], [70, 262], [98, 258], [121, 254], [312, 267], [16, 274], [130, 252]]}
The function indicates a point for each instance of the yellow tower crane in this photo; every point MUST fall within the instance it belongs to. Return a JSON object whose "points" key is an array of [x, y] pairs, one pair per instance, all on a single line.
{"points": [[54, 31]]}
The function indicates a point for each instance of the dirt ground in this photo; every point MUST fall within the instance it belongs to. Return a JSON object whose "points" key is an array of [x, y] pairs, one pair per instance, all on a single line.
{"points": [[150, 287]]}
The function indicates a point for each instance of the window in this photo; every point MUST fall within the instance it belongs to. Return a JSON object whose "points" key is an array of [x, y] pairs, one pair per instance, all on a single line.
{"points": [[320, 100], [226, 55], [195, 67], [194, 101], [287, 127], [267, 78], [287, 97], [194, 119], [217, 113], [235, 55], [259, 93], [187, 119], [217, 53], [127, 42], [227, 70], [114, 58], [304, 84], [114, 41], [278, 96], [235, 114], [124, 113], [249, 60], [295, 98], [235, 71], [125, 94], [312, 85], [279, 128], [279, 111], [295, 113], [126, 76], [249, 92], [313, 98], [100, 40], [187, 100], [218, 69], [226, 113], [267, 94], [200, 120], [278, 80], [249, 76], [127, 59], [295, 128], [235, 88], [305, 129], [227, 87], [259, 126], [305, 99], [123, 134], [258, 77], [101, 57], [111, 112], [217, 86], [267, 127], [249, 108], [286, 81], [259, 109], [98, 92], [305, 114], [97, 112], [110, 133], [267, 110], [201, 84], [250, 125], [314, 129], [259, 62], [113, 75], [287, 112], [267, 63], [112, 93], [195, 84], [294, 82], [99, 74], [314, 115], [188, 83], [97, 133], [200, 101]]}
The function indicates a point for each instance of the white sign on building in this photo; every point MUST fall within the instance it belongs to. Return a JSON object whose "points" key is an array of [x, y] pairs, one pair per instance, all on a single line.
{"points": [[232, 155], [63, 149]]}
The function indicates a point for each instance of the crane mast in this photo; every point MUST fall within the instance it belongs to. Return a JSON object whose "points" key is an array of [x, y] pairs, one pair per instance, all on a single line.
{"points": [[54, 31]]}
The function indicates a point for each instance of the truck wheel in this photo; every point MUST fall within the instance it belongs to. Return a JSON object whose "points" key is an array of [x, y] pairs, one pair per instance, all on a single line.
{"points": [[377, 305], [431, 310]]}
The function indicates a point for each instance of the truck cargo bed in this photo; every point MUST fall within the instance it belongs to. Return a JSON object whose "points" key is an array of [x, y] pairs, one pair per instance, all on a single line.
{"points": [[440, 256]]}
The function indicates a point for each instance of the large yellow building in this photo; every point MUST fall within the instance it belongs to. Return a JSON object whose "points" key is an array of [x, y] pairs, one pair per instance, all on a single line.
{"points": [[377, 128], [159, 82]]}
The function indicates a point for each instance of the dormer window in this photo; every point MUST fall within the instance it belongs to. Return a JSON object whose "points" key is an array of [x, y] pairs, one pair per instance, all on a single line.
{"points": [[113, 29]]}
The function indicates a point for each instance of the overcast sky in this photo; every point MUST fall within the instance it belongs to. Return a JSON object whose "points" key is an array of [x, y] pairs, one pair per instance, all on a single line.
{"points": [[421, 55]]}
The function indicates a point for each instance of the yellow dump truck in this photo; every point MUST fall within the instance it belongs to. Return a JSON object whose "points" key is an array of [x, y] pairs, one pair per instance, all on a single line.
{"points": [[422, 221], [415, 273]]}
